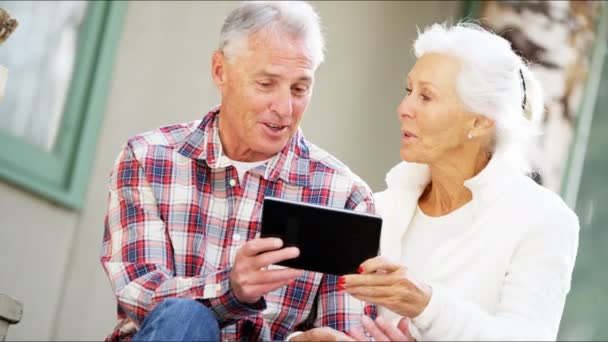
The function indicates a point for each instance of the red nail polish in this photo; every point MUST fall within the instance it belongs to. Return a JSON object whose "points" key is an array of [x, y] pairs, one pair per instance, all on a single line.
{"points": [[341, 287], [360, 269], [341, 280]]}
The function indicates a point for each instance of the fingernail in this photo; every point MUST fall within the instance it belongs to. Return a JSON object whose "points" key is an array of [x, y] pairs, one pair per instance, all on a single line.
{"points": [[342, 280], [341, 287], [360, 269]]}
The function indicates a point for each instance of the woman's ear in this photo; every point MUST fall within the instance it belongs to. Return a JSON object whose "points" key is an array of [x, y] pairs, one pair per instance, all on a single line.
{"points": [[482, 126]]}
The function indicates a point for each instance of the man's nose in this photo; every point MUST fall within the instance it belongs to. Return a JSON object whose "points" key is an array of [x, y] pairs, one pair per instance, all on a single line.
{"points": [[283, 103]]}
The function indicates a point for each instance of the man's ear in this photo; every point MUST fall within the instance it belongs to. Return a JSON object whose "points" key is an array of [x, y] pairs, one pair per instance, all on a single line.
{"points": [[218, 72]]}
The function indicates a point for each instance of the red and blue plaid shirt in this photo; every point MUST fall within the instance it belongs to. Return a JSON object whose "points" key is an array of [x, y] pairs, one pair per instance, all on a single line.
{"points": [[177, 215]]}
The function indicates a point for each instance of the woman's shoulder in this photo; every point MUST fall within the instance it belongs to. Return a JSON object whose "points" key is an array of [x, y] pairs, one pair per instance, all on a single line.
{"points": [[544, 200], [543, 209]]}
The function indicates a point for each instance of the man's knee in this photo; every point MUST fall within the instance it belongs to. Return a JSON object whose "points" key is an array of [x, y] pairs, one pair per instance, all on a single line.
{"points": [[189, 312]]}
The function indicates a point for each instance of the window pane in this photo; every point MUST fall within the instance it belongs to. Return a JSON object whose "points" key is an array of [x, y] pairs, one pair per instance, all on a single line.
{"points": [[40, 57], [587, 305]]}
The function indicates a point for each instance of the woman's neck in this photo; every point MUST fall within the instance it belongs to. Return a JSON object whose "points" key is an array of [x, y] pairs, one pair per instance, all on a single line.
{"points": [[446, 191]]}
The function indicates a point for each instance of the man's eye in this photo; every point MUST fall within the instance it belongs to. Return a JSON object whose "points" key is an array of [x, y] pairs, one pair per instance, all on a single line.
{"points": [[424, 97], [408, 90], [265, 84]]}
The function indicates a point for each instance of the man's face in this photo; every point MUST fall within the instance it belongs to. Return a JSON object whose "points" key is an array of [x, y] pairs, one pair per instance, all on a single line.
{"points": [[265, 91]]}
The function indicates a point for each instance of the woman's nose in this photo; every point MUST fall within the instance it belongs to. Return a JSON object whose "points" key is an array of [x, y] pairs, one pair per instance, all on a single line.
{"points": [[404, 109]]}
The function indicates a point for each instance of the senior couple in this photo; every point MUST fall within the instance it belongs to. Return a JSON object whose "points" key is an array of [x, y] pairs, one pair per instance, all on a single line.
{"points": [[471, 247]]}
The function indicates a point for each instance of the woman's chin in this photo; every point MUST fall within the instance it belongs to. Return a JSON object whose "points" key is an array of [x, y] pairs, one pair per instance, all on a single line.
{"points": [[407, 155]]}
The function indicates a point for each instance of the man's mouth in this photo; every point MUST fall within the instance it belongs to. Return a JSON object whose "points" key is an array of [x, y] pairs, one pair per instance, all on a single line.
{"points": [[275, 127]]}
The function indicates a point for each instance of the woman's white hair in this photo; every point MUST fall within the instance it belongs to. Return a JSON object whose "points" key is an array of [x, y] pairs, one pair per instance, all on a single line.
{"points": [[493, 82], [292, 17]]}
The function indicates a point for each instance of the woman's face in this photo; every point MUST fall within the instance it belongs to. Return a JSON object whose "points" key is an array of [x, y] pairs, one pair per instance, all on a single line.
{"points": [[433, 121]]}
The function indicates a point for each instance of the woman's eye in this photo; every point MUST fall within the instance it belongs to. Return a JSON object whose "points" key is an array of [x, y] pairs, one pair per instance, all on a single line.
{"points": [[425, 98], [264, 84], [408, 90]]}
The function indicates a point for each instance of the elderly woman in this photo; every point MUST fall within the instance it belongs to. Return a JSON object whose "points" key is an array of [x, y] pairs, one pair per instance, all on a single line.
{"points": [[471, 247]]}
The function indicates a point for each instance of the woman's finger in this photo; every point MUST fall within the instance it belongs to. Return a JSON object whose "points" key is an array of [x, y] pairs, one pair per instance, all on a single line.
{"points": [[373, 329], [390, 330], [404, 326], [358, 333], [371, 291], [387, 302], [379, 263], [374, 279]]}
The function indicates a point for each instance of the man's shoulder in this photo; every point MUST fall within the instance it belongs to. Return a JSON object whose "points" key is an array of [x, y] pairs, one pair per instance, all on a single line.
{"points": [[170, 137], [324, 162]]}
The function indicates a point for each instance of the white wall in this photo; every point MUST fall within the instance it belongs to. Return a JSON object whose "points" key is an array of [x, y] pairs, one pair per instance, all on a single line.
{"points": [[49, 255]]}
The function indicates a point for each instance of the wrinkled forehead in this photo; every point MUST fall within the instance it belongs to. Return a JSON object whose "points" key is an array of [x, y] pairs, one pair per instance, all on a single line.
{"points": [[277, 43], [276, 55], [439, 69]]}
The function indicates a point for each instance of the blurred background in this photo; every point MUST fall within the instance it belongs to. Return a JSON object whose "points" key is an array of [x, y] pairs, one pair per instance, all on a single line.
{"points": [[83, 77]]}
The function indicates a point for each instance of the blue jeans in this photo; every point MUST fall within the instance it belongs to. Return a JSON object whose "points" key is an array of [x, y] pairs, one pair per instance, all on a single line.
{"points": [[179, 319]]}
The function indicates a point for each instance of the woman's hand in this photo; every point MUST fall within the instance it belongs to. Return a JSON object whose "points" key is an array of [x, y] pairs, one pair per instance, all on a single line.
{"points": [[387, 284], [382, 330], [322, 334]]}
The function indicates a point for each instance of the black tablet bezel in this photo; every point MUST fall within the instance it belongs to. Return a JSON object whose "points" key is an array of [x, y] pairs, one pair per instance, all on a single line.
{"points": [[331, 240]]}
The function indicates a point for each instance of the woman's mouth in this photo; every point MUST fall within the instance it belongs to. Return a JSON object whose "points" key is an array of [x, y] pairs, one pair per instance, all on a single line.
{"points": [[408, 136]]}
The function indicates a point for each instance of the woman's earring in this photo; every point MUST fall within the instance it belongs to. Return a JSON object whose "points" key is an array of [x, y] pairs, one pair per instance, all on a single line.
{"points": [[470, 136]]}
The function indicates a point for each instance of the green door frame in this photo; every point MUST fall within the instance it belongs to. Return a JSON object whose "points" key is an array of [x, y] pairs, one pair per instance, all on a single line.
{"points": [[578, 147]]}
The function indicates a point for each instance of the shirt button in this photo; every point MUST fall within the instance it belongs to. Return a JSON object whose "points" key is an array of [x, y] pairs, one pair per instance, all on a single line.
{"points": [[232, 182], [236, 237]]}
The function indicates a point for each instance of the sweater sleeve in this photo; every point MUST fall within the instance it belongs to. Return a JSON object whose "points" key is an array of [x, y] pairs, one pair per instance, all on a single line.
{"points": [[532, 297]]}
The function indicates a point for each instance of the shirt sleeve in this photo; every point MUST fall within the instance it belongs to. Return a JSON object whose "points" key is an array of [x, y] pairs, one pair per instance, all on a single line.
{"points": [[532, 298], [137, 254]]}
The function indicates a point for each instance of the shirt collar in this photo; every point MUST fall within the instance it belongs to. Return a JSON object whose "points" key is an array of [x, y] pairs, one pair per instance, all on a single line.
{"points": [[291, 164], [490, 182]]}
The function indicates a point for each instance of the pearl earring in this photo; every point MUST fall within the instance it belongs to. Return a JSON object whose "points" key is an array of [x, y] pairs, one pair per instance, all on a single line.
{"points": [[470, 136]]}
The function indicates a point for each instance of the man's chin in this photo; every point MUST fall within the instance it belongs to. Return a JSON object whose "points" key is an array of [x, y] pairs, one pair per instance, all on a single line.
{"points": [[269, 149], [270, 152], [268, 145]]}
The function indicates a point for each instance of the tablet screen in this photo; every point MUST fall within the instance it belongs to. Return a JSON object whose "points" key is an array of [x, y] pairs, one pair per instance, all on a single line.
{"points": [[334, 241]]}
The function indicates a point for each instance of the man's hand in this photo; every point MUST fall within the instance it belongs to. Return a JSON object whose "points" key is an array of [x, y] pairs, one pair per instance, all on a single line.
{"points": [[249, 278], [322, 334]]}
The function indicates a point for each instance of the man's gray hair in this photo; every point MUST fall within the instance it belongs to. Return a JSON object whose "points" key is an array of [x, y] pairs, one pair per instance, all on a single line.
{"points": [[292, 17]]}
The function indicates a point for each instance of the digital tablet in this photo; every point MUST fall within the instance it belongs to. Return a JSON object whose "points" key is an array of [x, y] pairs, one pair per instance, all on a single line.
{"points": [[334, 241]]}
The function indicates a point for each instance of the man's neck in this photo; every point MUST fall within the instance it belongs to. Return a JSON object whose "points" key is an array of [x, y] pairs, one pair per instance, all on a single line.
{"points": [[232, 149]]}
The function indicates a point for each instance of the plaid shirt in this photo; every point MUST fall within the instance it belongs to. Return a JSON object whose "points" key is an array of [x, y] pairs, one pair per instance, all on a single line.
{"points": [[177, 215]]}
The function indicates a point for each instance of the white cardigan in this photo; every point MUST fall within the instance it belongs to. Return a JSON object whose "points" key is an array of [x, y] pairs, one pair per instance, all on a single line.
{"points": [[507, 276]]}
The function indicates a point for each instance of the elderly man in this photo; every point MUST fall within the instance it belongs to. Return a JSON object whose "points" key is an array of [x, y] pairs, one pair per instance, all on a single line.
{"points": [[180, 246]]}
